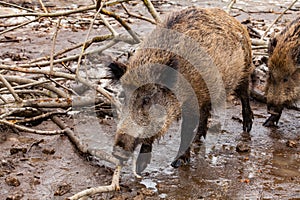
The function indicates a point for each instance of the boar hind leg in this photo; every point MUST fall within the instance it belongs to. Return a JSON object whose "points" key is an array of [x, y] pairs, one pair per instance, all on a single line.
{"points": [[144, 157], [189, 124], [243, 94]]}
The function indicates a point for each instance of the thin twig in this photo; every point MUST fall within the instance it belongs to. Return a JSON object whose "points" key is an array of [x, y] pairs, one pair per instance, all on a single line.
{"points": [[15, 6], [138, 16], [96, 39], [42, 116], [83, 47], [43, 6], [30, 130], [152, 10], [232, 2], [29, 83], [9, 87], [64, 75], [123, 23], [64, 13], [20, 25], [268, 29], [53, 44], [9, 111]]}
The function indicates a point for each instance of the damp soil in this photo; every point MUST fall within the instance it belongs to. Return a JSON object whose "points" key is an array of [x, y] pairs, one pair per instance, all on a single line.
{"points": [[229, 164]]}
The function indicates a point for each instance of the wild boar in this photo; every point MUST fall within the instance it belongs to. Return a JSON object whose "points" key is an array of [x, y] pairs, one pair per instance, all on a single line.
{"points": [[183, 69], [283, 83]]}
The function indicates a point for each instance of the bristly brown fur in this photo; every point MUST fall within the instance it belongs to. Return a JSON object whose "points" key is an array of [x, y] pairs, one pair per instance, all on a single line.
{"points": [[223, 39], [283, 84]]}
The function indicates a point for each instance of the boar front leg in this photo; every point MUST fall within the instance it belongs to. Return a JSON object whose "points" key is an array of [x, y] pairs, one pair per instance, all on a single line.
{"points": [[190, 121], [243, 94], [203, 120]]}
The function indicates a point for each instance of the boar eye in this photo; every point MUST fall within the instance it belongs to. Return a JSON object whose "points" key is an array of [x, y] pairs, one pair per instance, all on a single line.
{"points": [[146, 100], [285, 79]]}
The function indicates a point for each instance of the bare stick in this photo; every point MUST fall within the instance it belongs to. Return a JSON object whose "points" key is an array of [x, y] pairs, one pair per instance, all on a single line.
{"points": [[53, 43], [65, 13], [43, 6], [20, 25], [15, 6], [232, 2], [99, 38], [138, 16], [64, 75], [29, 83], [41, 92], [3, 99], [258, 42], [74, 57], [268, 29], [112, 187], [39, 117], [86, 38], [123, 23], [152, 10], [30, 130], [11, 90], [9, 111]]}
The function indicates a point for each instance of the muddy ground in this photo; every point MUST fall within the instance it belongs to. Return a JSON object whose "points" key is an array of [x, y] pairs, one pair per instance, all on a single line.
{"points": [[50, 167]]}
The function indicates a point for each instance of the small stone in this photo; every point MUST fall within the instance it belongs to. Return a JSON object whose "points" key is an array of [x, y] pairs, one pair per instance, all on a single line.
{"points": [[48, 151], [15, 196], [147, 192], [16, 150], [62, 189], [12, 181], [291, 143]]}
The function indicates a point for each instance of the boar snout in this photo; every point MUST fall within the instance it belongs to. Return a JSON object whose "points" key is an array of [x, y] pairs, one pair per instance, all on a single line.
{"points": [[124, 146], [275, 112], [121, 154]]}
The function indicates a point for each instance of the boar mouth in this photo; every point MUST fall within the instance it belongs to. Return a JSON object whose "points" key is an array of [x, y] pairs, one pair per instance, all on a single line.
{"points": [[121, 154], [274, 110]]}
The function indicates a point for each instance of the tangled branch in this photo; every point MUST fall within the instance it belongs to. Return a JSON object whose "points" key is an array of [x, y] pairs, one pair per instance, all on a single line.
{"points": [[40, 88]]}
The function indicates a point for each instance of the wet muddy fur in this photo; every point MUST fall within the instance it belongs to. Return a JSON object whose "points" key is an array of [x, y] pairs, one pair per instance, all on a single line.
{"points": [[228, 44]]}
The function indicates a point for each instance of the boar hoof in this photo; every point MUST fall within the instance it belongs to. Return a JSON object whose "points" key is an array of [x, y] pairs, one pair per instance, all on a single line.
{"points": [[271, 121], [247, 125], [180, 161], [248, 121]]}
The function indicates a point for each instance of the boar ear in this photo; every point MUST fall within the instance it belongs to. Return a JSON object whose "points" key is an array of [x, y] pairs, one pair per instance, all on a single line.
{"points": [[272, 45], [116, 70], [168, 76], [297, 56]]}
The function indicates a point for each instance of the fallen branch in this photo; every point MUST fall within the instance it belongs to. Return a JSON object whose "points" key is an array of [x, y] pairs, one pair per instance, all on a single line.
{"points": [[152, 10], [232, 2], [11, 90], [114, 186]]}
